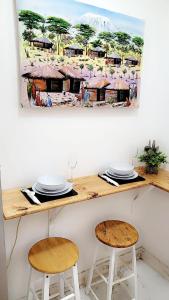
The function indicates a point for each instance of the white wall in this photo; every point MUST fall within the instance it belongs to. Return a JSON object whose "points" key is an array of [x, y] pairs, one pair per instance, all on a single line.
{"points": [[36, 142]]}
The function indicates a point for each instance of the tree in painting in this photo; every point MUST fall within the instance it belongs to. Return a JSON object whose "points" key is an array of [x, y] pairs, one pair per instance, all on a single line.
{"points": [[123, 41], [85, 32], [78, 55], [106, 37], [60, 27], [31, 21], [96, 43], [138, 43]]}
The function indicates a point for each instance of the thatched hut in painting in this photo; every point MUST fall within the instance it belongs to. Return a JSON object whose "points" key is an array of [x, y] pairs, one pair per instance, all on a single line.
{"points": [[113, 59], [118, 91], [131, 61], [27, 68], [97, 52], [73, 79], [46, 78], [42, 43], [73, 50], [97, 89]]}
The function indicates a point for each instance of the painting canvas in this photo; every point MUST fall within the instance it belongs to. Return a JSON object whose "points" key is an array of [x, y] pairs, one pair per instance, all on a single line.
{"points": [[74, 54]]}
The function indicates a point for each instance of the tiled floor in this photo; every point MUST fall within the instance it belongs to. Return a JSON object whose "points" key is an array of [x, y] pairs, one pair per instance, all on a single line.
{"points": [[152, 286]]}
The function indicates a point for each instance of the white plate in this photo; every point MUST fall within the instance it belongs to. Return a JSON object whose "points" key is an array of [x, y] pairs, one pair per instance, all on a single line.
{"points": [[51, 189], [52, 194], [51, 182], [41, 190], [121, 168], [135, 175], [120, 175]]}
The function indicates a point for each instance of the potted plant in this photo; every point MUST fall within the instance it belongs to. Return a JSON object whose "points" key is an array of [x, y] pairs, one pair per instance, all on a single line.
{"points": [[153, 158]]}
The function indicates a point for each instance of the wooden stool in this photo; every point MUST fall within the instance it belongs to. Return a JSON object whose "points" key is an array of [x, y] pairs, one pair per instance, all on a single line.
{"points": [[51, 256], [116, 234]]}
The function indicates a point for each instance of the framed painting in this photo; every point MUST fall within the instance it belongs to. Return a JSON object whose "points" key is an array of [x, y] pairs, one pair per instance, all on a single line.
{"points": [[77, 55]]}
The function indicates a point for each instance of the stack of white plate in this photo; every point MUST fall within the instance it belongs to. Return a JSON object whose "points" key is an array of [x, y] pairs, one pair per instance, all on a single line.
{"points": [[121, 171], [52, 186]]}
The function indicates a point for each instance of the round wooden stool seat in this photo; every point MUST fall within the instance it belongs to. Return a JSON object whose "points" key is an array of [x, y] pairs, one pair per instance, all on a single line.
{"points": [[116, 234], [53, 255]]}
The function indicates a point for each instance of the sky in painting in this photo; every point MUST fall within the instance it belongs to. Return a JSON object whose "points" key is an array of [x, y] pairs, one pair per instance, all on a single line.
{"points": [[76, 12]]}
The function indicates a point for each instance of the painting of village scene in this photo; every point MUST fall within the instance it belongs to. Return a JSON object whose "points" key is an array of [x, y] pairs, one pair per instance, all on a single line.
{"points": [[77, 55]]}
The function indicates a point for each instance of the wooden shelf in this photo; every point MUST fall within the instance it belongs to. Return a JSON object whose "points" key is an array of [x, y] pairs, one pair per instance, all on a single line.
{"points": [[161, 180], [91, 187]]}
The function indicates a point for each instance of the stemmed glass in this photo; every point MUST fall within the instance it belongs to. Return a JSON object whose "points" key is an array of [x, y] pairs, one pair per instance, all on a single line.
{"points": [[72, 164], [134, 160]]}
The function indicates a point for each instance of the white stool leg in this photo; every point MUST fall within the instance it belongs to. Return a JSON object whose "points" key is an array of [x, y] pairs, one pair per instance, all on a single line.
{"points": [[111, 274], [62, 285], [76, 282], [89, 280], [45, 287], [135, 273], [29, 284]]}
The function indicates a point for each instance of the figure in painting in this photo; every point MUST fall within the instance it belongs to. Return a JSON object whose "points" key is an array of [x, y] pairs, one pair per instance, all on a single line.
{"points": [[86, 96], [48, 101], [34, 92], [29, 91], [82, 92], [38, 101]]}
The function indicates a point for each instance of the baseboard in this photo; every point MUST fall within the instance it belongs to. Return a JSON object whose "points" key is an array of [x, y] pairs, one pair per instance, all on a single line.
{"points": [[155, 263]]}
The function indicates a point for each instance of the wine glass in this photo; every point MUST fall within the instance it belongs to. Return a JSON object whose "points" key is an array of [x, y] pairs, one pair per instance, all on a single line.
{"points": [[134, 159], [72, 164]]}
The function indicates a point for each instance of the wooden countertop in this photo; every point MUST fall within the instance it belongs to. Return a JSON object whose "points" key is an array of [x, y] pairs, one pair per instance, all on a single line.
{"points": [[90, 187], [161, 180]]}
